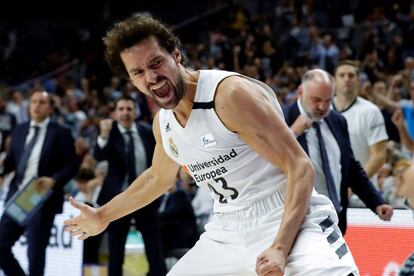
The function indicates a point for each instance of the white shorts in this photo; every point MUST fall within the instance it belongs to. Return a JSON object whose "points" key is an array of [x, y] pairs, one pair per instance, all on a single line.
{"points": [[233, 241]]}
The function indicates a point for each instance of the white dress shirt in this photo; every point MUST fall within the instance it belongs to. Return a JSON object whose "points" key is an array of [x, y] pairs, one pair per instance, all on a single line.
{"points": [[140, 155], [34, 158], [334, 156]]}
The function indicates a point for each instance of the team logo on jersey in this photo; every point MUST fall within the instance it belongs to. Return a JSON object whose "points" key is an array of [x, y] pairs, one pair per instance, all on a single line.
{"points": [[173, 147], [208, 140], [167, 127]]}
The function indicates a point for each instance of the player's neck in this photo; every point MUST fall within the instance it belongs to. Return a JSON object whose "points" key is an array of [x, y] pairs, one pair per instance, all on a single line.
{"points": [[183, 110], [342, 101]]}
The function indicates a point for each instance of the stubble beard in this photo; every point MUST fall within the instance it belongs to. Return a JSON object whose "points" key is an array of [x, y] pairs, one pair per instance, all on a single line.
{"points": [[178, 90]]}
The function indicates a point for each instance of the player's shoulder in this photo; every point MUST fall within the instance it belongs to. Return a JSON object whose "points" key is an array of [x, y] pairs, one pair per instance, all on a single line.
{"points": [[366, 105], [237, 88], [156, 125]]}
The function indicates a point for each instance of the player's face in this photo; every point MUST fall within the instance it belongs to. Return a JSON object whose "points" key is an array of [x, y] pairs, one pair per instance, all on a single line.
{"points": [[125, 113], [155, 72], [40, 107], [316, 99], [347, 80]]}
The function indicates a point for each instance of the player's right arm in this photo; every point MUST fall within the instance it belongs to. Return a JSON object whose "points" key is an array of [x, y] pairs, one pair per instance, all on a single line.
{"points": [[151, 184]]}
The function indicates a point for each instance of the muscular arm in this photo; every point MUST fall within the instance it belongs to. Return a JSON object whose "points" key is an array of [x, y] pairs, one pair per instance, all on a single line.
{"points": [[152, 183], [377, 157], [245, 110]]}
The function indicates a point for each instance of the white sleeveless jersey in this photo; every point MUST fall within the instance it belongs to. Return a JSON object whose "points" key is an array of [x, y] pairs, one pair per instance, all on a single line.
{"points": [[216, 157]]}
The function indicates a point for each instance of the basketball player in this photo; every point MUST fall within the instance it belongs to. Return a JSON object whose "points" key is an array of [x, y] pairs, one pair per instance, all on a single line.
{"points": [[228, 130]]}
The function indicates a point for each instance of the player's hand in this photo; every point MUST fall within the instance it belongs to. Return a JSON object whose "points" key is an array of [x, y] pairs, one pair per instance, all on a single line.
{"points": [[44, 183], [105, 127], [87, 223], [271, 262], [384, 212]]}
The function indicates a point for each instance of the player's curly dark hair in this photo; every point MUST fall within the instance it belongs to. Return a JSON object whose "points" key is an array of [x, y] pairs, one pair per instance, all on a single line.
{"points": [[131, 31]]}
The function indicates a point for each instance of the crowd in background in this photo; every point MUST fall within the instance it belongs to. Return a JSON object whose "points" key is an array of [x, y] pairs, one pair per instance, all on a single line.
{"points": [[275, 44]]}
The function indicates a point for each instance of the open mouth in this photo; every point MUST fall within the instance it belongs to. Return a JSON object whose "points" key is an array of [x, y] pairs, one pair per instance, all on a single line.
{"points": [[161, 89]]}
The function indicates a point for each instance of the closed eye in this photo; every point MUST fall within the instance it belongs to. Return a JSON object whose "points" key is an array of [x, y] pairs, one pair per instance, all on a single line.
{"points": [[137, 72], [156, 63]]}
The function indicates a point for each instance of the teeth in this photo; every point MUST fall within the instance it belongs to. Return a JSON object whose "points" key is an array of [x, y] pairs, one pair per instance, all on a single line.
{"points": [[158, 85]]}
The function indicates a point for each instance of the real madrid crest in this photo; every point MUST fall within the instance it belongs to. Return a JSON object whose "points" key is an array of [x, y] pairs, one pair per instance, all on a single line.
{"points": [[173, 147]]}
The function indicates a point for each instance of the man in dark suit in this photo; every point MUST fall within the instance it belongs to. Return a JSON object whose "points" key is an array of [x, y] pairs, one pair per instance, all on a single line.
{"points": [[322, 131], [178, 222], [43, 149], [126, 161]]}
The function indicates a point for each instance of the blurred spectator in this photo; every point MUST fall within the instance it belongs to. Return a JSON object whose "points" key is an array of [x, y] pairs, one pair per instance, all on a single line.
{"points": [[380, 87], [7, 122], [4, 185], [325, 54], [18, 106], [406, 141], [373, 67], [113, 91], [385, 181], [73, 116], [395, 194], [406, 106], [271, 60], [144, 114]]}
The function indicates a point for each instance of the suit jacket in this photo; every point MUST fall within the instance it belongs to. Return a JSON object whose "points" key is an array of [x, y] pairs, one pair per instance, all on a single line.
{"points": [[114, 153], [353, 175], [178, 222], [57, 160]]}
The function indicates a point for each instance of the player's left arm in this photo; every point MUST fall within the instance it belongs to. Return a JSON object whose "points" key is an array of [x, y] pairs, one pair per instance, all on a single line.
{"points": [[245, 110], [377, 158]]}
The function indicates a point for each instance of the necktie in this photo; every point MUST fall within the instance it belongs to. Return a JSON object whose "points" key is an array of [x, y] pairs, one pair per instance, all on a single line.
{"points": [[327, 169], [130, 157], [21, 166]]}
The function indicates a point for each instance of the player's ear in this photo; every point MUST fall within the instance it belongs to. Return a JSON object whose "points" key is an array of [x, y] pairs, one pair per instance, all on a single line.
{"points": [[177, 55]]}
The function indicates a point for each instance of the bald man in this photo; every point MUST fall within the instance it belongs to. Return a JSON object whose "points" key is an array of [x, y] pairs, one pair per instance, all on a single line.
{"points": [[313, 110]]}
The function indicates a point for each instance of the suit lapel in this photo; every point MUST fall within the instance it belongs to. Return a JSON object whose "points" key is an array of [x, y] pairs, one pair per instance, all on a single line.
{"points": [[330, 123], [21, 144], [50, 136]]}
